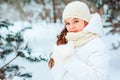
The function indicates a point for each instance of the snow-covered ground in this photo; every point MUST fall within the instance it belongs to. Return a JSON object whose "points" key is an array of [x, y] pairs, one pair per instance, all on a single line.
{"points": [[41, 39], [114, 55]]}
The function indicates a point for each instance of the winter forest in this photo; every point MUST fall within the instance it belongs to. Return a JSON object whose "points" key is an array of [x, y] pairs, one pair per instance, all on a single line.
{"points": [[28, 30]]}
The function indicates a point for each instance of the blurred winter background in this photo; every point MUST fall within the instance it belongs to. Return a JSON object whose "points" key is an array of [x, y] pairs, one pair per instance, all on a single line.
{"points": [[28, 30]]}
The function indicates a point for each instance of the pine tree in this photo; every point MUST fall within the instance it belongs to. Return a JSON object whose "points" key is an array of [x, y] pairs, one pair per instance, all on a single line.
{"points": [[111, 16], [111, 13], [14, 43]]}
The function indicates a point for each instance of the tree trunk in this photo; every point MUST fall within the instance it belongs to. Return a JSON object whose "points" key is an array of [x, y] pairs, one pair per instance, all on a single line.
{"points": [[54, 15]]}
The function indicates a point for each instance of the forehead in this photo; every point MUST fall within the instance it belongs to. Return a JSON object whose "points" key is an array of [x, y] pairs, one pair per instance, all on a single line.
{"points": [[71, 19]]}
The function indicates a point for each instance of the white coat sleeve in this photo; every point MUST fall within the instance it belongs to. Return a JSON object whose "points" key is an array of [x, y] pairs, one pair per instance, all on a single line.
{"points": [[96, 68], [60, 55], [58, 72]]}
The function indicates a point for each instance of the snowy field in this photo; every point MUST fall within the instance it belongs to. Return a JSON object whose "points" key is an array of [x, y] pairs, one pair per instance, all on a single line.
{"points": [[41, 39]]}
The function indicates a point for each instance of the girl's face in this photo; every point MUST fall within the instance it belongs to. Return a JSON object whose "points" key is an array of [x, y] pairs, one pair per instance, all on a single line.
{"points": [[74, 24]]}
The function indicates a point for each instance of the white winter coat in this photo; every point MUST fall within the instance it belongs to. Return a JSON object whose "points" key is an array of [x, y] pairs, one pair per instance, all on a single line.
{"points": [[87, 62]]}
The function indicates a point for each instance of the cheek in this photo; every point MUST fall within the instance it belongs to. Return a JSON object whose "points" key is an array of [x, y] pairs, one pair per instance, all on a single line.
{"points": [[82, 24], [80, 27], [67, 27]]}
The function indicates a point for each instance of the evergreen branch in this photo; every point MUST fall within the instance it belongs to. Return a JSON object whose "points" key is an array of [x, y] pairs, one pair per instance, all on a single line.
{"points": [[4, 23], [9, 62]]}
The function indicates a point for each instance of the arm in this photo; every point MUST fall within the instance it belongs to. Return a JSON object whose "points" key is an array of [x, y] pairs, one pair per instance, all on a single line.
{"points": [[95, 69], [60, 55], [58, 72]]}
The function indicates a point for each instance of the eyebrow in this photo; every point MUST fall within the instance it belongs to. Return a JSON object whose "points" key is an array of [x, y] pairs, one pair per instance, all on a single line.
{"points": [[72, 19]]}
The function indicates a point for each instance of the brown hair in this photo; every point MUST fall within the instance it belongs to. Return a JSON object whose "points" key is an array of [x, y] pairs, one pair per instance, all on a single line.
{"points": [[61, 37]]}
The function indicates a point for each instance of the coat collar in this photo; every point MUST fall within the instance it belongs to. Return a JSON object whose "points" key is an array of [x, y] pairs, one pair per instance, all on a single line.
{"points": [[95, 25]]}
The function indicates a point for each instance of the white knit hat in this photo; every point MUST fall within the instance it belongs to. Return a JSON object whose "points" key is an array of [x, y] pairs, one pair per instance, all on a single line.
{"points": [[76, 9]]}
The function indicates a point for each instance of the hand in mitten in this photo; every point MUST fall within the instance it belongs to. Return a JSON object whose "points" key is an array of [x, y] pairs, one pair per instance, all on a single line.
{"points": [[61, 53]]}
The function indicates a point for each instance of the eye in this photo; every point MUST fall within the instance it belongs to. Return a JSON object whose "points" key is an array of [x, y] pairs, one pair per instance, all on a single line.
{"points": [[76, 21], [67, 23]]}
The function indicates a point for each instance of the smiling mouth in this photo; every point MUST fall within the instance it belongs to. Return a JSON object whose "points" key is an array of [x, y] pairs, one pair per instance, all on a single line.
{"points": [[73, 31]]}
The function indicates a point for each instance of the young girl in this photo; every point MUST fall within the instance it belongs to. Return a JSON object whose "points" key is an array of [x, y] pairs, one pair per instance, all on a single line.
{"points": [[80, 53]]}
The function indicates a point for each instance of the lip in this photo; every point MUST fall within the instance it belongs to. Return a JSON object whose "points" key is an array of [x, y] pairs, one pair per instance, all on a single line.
{"points": [[74, 31]]}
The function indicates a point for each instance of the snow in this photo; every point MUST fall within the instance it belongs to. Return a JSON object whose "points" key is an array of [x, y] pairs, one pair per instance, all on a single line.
{"points": [[115, 66], [115, 56], [41, 38]]}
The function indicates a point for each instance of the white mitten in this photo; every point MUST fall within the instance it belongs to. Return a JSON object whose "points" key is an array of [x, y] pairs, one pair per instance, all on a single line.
{"points": [[62, 53]]}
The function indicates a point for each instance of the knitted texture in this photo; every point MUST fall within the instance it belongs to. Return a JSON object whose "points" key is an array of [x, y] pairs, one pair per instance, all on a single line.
{"points": [[76, 9]]}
